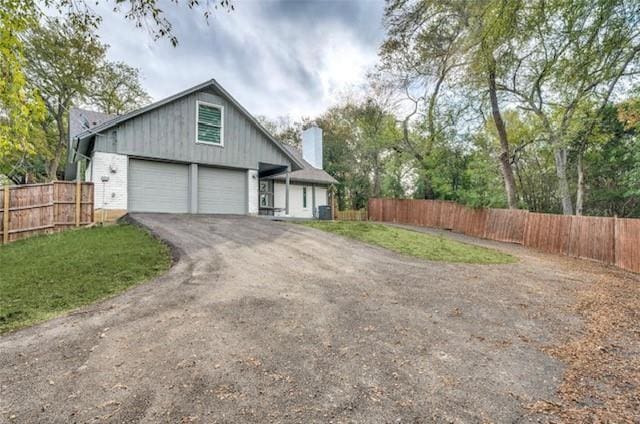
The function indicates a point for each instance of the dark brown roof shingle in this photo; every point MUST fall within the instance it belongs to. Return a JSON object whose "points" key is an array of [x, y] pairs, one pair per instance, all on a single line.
{"points": [[307, 175]]}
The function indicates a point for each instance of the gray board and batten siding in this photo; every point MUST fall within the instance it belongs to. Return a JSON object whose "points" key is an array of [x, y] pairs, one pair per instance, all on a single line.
{"points": [[168, 132]]}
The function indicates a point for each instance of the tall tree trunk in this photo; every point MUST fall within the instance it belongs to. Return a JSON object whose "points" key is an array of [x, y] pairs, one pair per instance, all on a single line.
{"points": [[377, 186], [560, 155], [580, 189], [59, 148], [428, 188], [505, 157]]}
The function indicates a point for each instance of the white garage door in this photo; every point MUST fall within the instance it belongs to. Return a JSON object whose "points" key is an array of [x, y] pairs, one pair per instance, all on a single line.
{"points": [[222, 191], [158, 187]]}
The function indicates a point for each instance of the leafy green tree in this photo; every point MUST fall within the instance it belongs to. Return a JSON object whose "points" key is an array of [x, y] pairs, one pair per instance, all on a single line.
{"points": [[399, 176], [572, 53], [531, 159], [481, 181], [61, 62], [20, 105], [436, 45], [476, 178], [21, 108], [68, 67], [418, 60], [611, 164], [493, 26], [146, 14], [374, 132], [551, 59], [341, 158], [116, 88], [357, 140], [284, 129]]}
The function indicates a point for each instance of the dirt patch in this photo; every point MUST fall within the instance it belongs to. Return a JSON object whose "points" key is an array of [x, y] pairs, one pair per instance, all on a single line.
{"points": [[261, 321], [602, 380]]}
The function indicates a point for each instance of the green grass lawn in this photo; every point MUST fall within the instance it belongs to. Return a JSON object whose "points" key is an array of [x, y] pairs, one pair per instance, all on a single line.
{"points": [[421, 245], [45, 276]]}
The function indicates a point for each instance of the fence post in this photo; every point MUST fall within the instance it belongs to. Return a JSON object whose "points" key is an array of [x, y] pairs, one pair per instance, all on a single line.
{"points": [[526, 229], [92, 194], [396, 205], [5, 214], [615, 239], [78, 202]]}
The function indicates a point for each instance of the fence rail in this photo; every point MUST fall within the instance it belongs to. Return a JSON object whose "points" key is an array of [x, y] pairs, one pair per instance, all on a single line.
{"points": [[609, 240], [31, 209], [352, 215]]}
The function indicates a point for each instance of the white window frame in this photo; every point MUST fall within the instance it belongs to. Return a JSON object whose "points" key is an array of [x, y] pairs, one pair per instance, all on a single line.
{"points": [[208, 143]]}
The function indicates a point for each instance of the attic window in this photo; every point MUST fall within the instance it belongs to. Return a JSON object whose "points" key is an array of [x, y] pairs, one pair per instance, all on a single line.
{"points": [[209, 119]]}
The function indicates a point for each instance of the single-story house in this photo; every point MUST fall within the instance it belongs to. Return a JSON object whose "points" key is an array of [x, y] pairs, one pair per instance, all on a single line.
{"points": [[198, 151]]}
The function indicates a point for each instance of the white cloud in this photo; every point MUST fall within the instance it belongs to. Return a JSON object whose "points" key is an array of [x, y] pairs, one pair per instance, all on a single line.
{"points": [[276, 57]]}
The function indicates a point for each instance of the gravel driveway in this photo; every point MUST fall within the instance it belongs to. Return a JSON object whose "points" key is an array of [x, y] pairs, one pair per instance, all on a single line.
{"points": [[263, 321]]}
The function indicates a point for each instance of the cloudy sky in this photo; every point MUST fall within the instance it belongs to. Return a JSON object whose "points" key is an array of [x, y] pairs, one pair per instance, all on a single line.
{"points": [[277, 57]]}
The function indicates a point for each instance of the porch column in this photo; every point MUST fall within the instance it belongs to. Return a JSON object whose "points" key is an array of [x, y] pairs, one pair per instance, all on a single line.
{"points": [[313, 201], [253, 192], [286, 195]]}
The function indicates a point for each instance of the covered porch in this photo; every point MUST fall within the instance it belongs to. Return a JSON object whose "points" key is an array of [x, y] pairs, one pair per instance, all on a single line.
{"points": [[266, 192]]}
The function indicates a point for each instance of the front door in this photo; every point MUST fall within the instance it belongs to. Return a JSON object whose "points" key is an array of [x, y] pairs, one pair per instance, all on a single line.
{"points": [[266, 197]]}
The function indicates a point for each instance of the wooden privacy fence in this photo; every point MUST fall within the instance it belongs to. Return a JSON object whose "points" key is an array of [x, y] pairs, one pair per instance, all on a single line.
{"points": [[31, 209], [609, 240], [352, 215]]}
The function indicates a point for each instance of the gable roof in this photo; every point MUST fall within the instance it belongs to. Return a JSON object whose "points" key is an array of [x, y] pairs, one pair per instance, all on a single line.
{"points": [[81, 120], [87, 134], [308, 174]]}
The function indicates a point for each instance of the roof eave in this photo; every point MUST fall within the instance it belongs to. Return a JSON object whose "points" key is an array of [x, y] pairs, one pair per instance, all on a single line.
{"points": [[113, 122], [212, 82], [305, 180], [258, 124]]}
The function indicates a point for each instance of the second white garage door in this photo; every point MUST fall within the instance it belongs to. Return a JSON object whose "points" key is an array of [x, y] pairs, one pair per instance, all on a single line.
{"points": [[222, 191]]}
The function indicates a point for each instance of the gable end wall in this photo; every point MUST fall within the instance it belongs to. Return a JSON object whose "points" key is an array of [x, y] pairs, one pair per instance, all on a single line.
{"points": [[169, 133]]}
